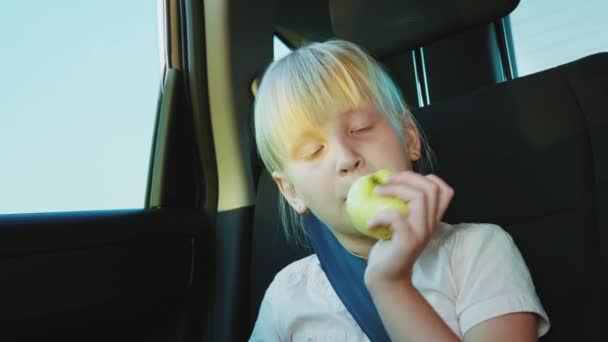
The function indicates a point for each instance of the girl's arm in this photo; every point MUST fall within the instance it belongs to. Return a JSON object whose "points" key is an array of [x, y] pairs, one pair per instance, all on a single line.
{"points": [[407, 316], [520, 326]]}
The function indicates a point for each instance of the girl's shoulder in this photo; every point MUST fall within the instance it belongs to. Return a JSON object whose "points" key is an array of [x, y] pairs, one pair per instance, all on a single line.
{"points": [[469, 235], [298, 267], [485, 273], [296, 275], [455, 244], [304, 285], [469, 249]]}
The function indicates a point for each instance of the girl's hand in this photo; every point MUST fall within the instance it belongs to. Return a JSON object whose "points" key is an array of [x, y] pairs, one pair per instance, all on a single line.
{"points": [[391, 261]]}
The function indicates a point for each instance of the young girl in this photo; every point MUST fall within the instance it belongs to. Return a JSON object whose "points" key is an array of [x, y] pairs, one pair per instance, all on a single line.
{"points": [[327, 114]]}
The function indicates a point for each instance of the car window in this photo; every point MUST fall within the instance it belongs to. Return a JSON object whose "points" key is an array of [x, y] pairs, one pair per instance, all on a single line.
{"points": [[280, 49], [548, 33], [80, 83]]}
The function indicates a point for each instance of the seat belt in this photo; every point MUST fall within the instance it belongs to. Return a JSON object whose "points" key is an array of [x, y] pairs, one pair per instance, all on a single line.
{"points": [[345, 273]]}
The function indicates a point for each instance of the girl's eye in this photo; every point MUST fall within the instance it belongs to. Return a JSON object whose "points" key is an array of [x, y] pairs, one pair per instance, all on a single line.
{"points": [[316, 152], [362, 129]]}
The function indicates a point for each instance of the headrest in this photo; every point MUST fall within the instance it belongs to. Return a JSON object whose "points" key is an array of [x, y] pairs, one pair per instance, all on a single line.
{"points": [[384, 26]]}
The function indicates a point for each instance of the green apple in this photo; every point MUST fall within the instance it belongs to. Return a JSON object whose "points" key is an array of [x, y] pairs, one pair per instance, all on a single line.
{"points": [[362, 204]]}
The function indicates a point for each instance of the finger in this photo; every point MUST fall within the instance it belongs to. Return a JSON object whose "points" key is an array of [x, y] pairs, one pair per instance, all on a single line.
{"points": [[385, 218], [393, 219], [446, 195], [430, 189], [416, 200], [402, 191]]}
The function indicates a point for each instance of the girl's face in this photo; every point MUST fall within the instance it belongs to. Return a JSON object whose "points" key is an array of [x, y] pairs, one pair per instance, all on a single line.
{"points": [[321, 165]]}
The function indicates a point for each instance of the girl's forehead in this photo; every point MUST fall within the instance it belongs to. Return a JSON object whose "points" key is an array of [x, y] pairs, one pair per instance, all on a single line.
{"points": [[319, 118], [306, 129], [313, 122]]}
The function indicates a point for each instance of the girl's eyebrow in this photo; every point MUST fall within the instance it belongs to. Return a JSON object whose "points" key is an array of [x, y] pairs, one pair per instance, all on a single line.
{"points": [[360, 115], [300, 140], [363, 111]]}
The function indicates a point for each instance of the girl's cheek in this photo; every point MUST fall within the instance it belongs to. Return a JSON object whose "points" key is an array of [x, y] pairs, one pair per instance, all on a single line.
{"points": [[327, 181]]}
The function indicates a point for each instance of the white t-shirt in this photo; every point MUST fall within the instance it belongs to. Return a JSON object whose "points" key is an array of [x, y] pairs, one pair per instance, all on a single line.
{"points": [[468, 273]]}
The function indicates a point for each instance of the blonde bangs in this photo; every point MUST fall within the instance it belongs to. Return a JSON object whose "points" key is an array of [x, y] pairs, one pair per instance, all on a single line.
{"points": [[303, 90]]}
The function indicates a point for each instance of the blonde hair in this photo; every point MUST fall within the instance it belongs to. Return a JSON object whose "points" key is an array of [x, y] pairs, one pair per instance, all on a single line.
{"points": [[310, 84]]}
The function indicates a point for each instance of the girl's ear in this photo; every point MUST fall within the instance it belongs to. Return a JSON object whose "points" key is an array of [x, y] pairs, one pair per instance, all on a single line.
{"points": [[289, 192], [413, 139]]}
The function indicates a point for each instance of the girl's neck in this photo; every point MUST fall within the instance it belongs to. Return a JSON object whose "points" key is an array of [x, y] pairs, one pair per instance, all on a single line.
{"points": [[356, 244]]}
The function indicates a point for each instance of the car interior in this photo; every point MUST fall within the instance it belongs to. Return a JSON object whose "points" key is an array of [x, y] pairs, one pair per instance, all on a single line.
{"points": [[527, 153]]}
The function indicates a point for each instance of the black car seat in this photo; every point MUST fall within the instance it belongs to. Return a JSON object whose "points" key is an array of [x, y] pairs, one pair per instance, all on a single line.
{"points": [[529, 154]]}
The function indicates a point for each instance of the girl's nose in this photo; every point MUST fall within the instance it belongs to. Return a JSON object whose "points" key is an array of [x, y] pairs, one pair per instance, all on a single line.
{"points": [[347, 170], [348, 160]]}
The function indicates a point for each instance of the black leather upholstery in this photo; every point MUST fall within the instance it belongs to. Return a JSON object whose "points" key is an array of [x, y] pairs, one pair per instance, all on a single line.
{"points": [[527, 155], [531, 155], [374, 24]]}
